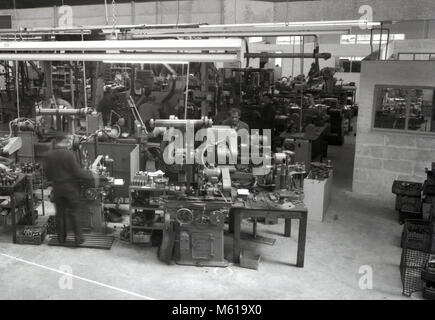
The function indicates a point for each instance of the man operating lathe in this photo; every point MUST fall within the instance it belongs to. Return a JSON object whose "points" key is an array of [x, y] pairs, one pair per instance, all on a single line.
{"points": [[65, 173]]}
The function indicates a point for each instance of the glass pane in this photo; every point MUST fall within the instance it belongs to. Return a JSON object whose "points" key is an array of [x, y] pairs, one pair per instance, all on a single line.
{"points": [[390, 108], [406, 56], [288, 40], [345, 65], [348, 39], [398, 36], [421, 112], [255, 39], [356, 66], [365, 38], [283, 40], [422, 56]]}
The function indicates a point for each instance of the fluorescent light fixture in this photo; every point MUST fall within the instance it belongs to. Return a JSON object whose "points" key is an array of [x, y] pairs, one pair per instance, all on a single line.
{"points": [[161, 57], [348, 23], [204, 44], [145, 62]]}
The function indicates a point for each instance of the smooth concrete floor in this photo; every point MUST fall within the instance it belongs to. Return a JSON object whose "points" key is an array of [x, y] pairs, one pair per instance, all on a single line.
{"points": [[358, 231]]}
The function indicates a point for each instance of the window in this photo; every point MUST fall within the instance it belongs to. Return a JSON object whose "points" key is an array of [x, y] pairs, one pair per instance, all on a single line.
{"points": [[415, 56], [255, 39], [365, 38], [289, 40], [405, 108], [349, 64]]}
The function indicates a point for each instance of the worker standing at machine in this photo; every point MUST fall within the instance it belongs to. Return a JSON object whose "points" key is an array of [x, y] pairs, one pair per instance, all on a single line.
{"points": [[148, 109], [234, 120], [268, 112], [62, 169], [105, 105]]}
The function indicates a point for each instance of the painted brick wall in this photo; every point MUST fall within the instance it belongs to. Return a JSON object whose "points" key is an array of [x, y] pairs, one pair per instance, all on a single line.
{"points": [[382, 157]]}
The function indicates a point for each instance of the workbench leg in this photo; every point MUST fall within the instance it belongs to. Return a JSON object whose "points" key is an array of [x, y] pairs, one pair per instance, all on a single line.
{"points": [[14, 228], [301, 241], [254, 227], [236, 237], [288, 228], [231, 223]]}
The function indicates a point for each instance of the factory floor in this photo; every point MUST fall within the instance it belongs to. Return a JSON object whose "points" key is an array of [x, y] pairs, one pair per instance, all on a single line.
{"points": [[358, 234]]}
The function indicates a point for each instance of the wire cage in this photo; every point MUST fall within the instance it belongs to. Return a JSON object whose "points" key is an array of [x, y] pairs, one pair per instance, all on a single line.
{"points": [[416, 241]]}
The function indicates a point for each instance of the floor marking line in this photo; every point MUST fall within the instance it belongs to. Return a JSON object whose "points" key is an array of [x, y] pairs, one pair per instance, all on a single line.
{"points": [[77, 277]]}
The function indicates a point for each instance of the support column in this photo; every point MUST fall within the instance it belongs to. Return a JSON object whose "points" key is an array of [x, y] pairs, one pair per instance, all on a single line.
{"points": [[55, 17], [133, 12], [426, 29]]}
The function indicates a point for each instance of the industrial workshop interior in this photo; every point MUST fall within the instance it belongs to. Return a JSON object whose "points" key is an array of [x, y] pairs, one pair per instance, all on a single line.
{"points": [[217, 150]]}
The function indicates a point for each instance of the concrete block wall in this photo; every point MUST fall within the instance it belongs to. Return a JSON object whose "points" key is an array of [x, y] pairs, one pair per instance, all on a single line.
{"points": [[383, 10], [383, 156]]}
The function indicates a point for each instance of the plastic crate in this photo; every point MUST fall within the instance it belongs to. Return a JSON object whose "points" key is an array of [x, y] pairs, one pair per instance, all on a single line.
{"points": [[408, 203], [407, 188], [31, 239], [408, 215], [411, 264], [416, 235]]}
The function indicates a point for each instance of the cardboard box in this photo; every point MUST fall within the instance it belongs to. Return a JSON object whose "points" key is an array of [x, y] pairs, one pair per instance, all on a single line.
{"points": [[317, 196]]}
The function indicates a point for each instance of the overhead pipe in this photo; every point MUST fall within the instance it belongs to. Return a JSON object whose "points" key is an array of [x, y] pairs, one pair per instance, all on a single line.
{"points": [[227, 34], [324, 56], [346, 23], [181, 123], [63, 112], [89, 28]]}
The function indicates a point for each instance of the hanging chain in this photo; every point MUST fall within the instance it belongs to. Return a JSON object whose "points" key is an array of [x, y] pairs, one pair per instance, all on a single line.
{"points": [[178, 12]]}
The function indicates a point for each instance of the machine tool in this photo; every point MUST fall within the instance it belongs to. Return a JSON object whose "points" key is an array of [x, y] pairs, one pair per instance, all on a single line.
{"points": [[198, 228]]}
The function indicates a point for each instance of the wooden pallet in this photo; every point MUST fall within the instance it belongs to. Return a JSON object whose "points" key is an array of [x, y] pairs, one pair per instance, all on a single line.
{"points": [[93, 241]]}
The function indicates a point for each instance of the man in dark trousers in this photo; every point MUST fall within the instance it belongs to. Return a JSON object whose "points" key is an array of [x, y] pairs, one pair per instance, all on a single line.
{"points": [[65, 173], [106, 105]]}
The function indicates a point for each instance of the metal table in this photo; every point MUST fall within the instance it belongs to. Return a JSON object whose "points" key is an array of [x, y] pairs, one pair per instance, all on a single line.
{"points": [[264, 208]]}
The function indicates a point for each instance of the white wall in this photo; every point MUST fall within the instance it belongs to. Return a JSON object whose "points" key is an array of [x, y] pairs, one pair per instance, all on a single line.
{"points": [[417, 46], [383, 156], [383, 10]]}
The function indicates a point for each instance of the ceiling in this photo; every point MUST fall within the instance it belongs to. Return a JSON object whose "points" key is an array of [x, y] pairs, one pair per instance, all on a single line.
{"points": [[22, 4]]}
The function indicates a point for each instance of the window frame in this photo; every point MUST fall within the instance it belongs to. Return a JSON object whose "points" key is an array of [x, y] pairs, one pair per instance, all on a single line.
{"points": [[377, 88], [376, 38], [431, 56]]}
